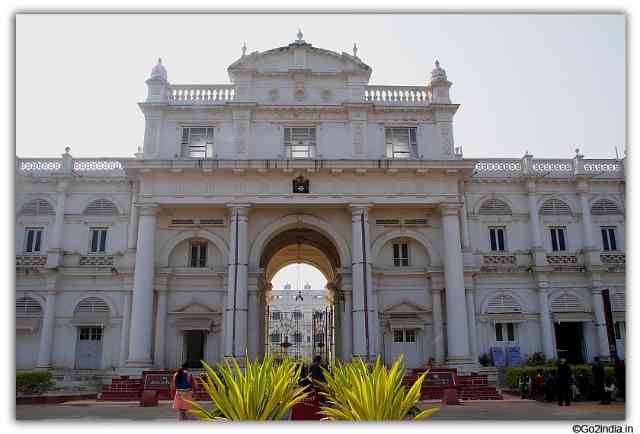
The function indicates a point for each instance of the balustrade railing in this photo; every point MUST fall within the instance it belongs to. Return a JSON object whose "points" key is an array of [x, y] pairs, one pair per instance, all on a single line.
{"points": [[31, 261], [547, 168], [613, 258], [201, 94], [97, 167], [96, 261], [396, 95]]}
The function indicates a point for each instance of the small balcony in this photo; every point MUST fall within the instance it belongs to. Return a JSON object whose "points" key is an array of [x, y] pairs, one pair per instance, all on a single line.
{"points": [[96, 261], [504, 262], [30, 262]]}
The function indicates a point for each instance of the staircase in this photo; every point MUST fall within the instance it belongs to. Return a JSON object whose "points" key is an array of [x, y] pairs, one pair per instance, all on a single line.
{"points": [[472, 386], [124, 388]]}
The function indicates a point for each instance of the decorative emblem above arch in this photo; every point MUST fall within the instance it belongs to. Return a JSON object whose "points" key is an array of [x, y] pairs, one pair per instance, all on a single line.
{"points": [[432, 254]]}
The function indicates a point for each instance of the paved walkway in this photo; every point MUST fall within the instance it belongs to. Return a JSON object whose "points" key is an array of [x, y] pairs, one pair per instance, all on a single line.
{"points": [[512, 409]]}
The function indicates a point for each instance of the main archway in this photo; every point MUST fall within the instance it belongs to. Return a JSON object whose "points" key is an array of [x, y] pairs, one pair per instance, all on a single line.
{"points": [[301, 317]]}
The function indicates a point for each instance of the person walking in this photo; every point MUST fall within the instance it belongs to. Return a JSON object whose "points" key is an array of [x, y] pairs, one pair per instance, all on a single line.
{"points": [[619, 369], [316, 370], [182, 384], [523, 383], [539, 386], [597, 371], [563, 383]]}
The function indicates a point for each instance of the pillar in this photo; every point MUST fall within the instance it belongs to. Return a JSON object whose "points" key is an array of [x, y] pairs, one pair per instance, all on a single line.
{"points": [[255, 313], [545, 324], [55, 251], [346, 325], [438, 329], [161, 329], [143, 282], [587, 228], [235, 324], [457, 324], [464, 222], [365, 311], [471, 319], [126, 321], [48, 326], [601, 323], [534, 220]]}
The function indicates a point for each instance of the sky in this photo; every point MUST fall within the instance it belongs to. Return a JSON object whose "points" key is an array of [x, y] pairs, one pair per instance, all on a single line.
{"points": [[298, 275], [546, 84]]}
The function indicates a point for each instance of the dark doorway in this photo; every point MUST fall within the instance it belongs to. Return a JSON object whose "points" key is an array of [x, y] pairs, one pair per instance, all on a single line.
{"points": [[569, 341], [194, 341]]}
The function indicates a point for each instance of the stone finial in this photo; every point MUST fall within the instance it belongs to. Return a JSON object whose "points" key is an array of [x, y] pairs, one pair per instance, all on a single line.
{"points": [[355, 50], [438, 74], [67, 149], [299, 35], [577, 151], [159, 72], [244, 49]]}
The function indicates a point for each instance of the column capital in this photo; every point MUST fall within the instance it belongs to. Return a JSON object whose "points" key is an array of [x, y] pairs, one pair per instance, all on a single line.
{"points": [[450, 208], [360, 208], [239, 208], [148, 209]]}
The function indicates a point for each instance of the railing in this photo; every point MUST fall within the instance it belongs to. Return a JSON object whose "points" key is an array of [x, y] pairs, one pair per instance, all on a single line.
{"points": [[613, 258], [548, 168], [498, 259], [562, 260], [201, 94], [396, 95], [96, 261], [30, 261], [89, 167]]}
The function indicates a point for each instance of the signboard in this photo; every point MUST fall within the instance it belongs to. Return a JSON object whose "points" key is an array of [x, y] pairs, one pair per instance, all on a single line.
{"points": [[608, 317], [513, 356], [497, 354], [442, 378], [158, 380]]}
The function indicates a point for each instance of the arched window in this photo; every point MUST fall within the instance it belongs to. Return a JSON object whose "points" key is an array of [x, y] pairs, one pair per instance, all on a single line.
{"points": [[92, 305], [503, 303], [605, 207], [567, 303], [37, 207], [101, 207], [27, 306], [555, 207], [494, 207]]}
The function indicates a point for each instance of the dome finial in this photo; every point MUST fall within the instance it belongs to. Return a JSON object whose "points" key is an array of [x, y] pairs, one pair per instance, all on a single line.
{"points": [[355, 50], [300, 34], [159, 71], [244, 49]]}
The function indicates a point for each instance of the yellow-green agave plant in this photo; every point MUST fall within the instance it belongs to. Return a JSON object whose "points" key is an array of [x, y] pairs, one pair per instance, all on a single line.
{"points": [[262, 390], [356, 392]]}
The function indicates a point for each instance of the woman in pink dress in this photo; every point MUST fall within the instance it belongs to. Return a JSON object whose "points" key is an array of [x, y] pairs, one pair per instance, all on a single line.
{"points": [[183, 385]]}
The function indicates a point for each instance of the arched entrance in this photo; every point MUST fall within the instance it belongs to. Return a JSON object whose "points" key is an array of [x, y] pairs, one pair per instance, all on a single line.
{"points": [[300, 322]]}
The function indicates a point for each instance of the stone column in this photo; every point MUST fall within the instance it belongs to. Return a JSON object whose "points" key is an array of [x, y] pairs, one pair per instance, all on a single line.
{"points": [[438, 329], [132, 230], [457, 327], [126, 321], [587, 228], [601, 323], [255, 296], [55, 251], [346, 325], [365, 312], [473, 334], [161, 329], [464, 222], [235, 324], [545, 324], [47, 333], [534, 220], [143, 281]]}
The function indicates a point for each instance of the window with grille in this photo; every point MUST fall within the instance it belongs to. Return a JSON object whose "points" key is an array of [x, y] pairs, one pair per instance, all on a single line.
{"points": [[503, 303], [297, 338], [558, 239], [505, 332], [608, 238], [37, 207], [566, 303], [276, 338], [300, 142], [401, 142], [555, 207], [276, 316], [90, 333], [98, 240], [27, 306], [198, 255], [605, 207], [497, 238], [404, 335], [494, 207], [400, 254], [197, 142], [297, 315], [101, 207], [33, 240]]}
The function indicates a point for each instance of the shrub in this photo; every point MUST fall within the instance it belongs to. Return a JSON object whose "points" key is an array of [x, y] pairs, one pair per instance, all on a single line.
{"points": [[263, 390], [578, 370], [33, 382], [536, 359], [485, 360], [356, 392]]}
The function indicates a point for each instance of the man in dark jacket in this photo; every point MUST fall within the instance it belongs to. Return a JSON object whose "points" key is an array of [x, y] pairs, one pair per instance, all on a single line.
{"points": [[597, 371], [563, 383]]}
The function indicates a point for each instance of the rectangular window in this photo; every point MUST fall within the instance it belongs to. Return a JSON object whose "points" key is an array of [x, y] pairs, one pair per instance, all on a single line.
{"points": [[558, 239], [410, 335], [398, 335], [401, 254], [401, 142], [275, 338], [297, 315], [619, 327], [297, 338], [300, 142], [98, 242], [276, 316], [198, 255], [608, 238], [511, 334], [33, 240], [197, 142], [497, 239], [499, 337], [505, 328]]}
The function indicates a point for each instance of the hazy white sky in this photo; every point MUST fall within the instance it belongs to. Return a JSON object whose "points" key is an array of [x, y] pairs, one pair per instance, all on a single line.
{"points": [[298, 275], [542, 83]]}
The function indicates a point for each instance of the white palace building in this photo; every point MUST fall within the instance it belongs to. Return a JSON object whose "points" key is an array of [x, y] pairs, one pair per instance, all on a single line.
{"points": [[124, 265]]}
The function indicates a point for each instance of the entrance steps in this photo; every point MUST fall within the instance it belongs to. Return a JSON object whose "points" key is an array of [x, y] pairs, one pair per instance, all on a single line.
{"points": [[471, 386], [80, 381], [125, 388]]}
